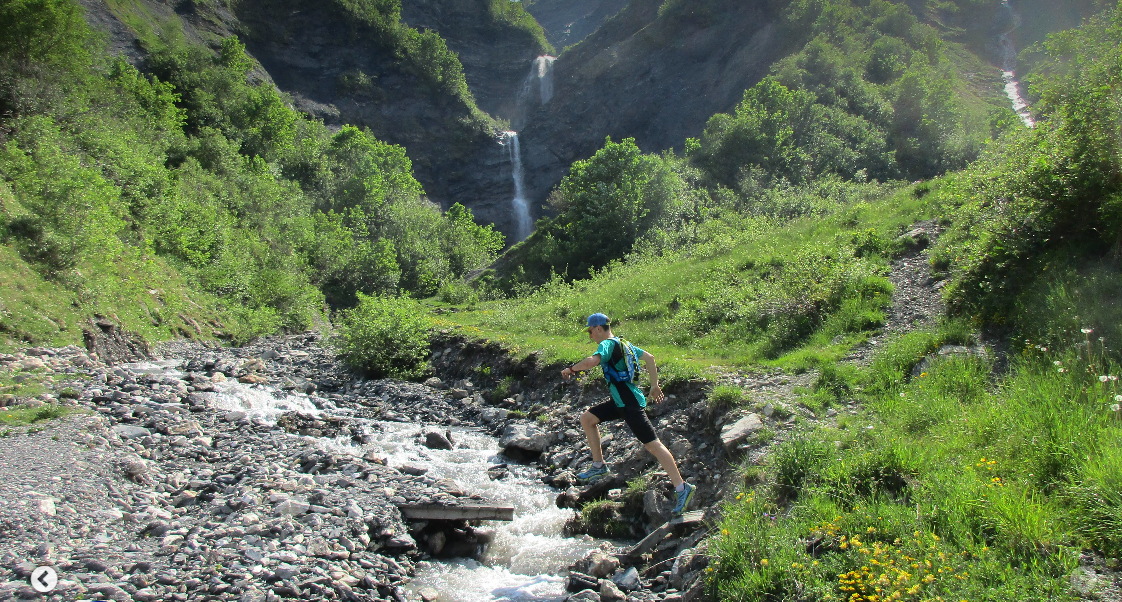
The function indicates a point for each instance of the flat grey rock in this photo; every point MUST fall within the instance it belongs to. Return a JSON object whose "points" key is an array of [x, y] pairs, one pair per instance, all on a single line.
{"points": [[129, 431], [733, 435]]}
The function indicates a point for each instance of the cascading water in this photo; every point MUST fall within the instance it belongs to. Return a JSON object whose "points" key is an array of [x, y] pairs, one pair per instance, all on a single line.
{"points": [[542, 70], [524, 224], [523, 561], [526, 555], [539, 83], [1008, 52]]}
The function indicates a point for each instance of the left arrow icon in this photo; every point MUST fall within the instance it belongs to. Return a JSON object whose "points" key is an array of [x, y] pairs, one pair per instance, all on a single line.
{"points": [[44, 579]]}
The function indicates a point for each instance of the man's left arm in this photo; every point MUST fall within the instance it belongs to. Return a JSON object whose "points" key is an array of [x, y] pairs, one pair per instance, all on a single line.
{"points": [[656, 392], [587, 363]]}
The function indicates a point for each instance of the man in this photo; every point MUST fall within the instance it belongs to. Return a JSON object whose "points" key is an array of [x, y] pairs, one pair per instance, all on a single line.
{"points": [[626, 402]]}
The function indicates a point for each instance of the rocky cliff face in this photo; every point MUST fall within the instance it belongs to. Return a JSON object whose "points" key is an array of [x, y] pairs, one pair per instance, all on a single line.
{"points": [[657, 79], [335, 71], [567, 22], [496, 56]]}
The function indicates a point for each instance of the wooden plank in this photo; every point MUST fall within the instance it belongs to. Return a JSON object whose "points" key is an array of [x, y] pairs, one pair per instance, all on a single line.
{"points": [[686, 523], [442, 512]]}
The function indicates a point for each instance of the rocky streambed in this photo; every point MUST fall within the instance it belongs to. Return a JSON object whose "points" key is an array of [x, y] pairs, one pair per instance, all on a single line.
{"points": [[270, 472]]}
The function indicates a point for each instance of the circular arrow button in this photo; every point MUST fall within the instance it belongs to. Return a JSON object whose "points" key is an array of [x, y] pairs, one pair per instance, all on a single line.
{"points": [[44, 579]]}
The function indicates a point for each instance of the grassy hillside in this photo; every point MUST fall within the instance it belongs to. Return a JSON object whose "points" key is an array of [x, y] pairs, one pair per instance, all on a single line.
{"points": [[971, 477], [747, 290], [190, 201]]}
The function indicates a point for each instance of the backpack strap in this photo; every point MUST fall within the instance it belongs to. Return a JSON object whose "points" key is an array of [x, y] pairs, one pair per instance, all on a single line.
{"points": [[617, 352]]}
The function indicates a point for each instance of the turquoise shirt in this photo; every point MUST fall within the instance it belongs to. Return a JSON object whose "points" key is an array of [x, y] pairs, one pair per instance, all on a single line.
{"points": [[604, 350]]}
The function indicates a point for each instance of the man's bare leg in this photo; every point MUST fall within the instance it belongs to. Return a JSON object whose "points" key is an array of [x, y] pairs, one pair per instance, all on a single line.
{"points": [[664, 457], [591, 425]]}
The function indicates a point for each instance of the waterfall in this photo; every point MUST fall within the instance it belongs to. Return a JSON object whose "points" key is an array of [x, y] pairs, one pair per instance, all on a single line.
{"points": [[543, 72], [1008, 69], [539, 83], [521, 208], [537, 89], [540, 77]]}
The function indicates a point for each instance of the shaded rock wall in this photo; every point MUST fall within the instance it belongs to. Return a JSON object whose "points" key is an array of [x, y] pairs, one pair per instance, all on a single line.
{"points": [[655, 79], [567, 22]]}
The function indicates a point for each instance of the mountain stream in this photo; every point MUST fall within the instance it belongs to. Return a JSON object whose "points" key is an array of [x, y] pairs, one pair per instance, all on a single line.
{"points": [[1008, 52], [527, 555]]}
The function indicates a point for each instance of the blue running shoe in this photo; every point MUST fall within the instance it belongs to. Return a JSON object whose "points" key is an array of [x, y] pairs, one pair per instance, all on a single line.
{"points": [[592, 473], [685, 496]]}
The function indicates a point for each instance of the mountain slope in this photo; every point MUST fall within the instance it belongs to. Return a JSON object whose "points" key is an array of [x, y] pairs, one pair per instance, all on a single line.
{"points": [[340, 66], [658, 70], [567, 22], [657, 80]]}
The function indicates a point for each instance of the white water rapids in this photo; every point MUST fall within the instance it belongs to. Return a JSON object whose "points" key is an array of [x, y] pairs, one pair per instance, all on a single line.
{"points": [[523, 562]]}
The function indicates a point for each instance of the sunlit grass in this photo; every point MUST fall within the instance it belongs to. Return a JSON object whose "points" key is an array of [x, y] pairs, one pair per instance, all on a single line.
{"points": [[708, 304]]}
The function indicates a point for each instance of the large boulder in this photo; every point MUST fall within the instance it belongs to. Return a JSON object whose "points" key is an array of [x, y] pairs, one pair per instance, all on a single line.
{"points": [[434, 439], [524, 440], [733, 435]]}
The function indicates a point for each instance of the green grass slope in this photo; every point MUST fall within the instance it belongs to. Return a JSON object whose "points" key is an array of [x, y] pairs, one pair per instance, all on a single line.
{"points": [[959, 477]]}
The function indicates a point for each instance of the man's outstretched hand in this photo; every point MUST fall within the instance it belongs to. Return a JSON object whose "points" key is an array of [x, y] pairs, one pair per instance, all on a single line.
{"points": [[656, 394]]}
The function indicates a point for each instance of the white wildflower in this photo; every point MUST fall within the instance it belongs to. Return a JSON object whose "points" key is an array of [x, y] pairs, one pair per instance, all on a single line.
{"points": [[1103, 379]]}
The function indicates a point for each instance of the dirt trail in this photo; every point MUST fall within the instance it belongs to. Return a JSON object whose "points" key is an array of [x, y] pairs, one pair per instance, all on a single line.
{"points": [[917, 301]]}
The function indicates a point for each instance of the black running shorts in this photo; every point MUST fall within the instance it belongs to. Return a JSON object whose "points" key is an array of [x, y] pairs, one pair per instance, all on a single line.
{"points": [[631, 413]]}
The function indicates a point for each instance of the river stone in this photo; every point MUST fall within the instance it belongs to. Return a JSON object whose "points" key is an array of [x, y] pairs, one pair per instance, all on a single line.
{"points": [[435, 439], [130, 431], [493, 414], [413, 469], [609, 592], [403, 541], [687, 565], [732, 435], [579, 581], [656, 506], [1085, 582], [948, 351], [602, 565], [585, 596], [626, 580], [428, 594], [291, 508], [527, 438]]}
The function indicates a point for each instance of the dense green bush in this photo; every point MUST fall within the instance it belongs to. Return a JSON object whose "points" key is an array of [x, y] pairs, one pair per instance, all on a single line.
{"points": [[193, 169], [607, 204], [787, 135], [386, 337], [869, 95], [1046, 203]]}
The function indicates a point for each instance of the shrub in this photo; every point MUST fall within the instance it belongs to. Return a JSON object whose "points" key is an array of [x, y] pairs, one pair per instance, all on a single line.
{"points": [[602, 518], [794, 462], [385, 337], [723, 398]]}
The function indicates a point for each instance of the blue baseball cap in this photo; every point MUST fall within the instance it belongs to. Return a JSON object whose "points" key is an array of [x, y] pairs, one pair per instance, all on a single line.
{"points": [[597, 320]]}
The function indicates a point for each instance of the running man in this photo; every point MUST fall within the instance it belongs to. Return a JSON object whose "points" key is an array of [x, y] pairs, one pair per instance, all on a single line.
{"points": [[626, 402]]}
